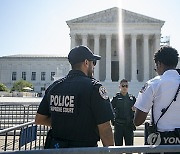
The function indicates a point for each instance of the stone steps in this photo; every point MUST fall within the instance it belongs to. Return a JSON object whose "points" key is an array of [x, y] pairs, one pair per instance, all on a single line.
{"points": [[113, 88]]}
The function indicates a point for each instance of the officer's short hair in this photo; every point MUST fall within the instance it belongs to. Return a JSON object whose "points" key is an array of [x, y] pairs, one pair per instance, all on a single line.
{"points": [[123, 80], [167, 55], [76, 66]]}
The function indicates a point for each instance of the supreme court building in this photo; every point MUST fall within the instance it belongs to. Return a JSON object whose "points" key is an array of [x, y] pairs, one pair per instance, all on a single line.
{"points": [[126, 42]]}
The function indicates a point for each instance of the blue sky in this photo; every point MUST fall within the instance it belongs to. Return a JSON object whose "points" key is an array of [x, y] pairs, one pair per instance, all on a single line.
{"points": [[39, 27]]}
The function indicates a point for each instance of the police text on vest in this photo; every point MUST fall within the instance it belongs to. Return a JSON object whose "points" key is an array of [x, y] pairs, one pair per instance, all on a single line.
{"points": [[64, 104]]}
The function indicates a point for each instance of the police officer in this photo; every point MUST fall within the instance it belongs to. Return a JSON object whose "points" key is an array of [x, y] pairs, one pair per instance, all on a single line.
{"points": [[77, 107], [123, 107], [159, 92]]}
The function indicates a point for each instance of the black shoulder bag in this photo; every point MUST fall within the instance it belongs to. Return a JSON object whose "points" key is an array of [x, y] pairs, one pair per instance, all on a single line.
{"points": [[152, 127]]}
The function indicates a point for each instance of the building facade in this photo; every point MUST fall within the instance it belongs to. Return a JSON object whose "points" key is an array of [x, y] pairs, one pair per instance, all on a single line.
{"points": [[39, 70], [125, 40]]}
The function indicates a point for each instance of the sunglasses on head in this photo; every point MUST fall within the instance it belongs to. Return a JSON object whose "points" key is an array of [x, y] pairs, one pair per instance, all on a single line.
{"points": [[124, 86]]}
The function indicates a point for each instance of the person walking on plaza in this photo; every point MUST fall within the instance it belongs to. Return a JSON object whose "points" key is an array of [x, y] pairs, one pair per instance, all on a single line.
{"points": [[161, 95], [77, 107], [122, 104]]}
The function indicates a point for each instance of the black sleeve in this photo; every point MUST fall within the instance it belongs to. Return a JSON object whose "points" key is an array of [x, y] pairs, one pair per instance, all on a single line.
{"points": [[100, 105], [44, 106]]}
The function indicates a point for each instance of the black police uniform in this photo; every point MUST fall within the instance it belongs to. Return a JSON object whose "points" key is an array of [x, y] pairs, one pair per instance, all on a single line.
{"points": [[76, 105], [123, 122]]}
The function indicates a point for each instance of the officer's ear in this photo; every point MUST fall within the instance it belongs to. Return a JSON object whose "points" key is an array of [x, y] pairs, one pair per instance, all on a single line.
{"points": [[86, 62]]}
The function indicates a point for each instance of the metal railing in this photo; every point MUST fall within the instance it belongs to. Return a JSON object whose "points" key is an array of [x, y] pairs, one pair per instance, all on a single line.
{"points": [[25, 136], [105, 150], [15, 114], [30, 138], [17, 128]]}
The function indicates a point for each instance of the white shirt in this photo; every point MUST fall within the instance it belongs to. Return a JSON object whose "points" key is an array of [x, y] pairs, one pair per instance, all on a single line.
{"points": [[159, 92]]}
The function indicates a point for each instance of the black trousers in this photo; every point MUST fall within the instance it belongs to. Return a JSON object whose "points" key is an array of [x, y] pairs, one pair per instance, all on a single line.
{"points": [[123, 131]]}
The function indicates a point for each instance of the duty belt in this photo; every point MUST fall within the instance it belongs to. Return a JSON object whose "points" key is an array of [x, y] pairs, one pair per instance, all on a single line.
{"points": [[56, 144]]}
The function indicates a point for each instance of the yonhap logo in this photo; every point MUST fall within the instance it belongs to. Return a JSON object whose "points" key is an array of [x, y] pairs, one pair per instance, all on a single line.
{"points": [[171, 140], [154, 139]]}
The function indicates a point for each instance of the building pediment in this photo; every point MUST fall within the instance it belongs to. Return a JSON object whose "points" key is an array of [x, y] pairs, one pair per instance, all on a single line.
{"points": [[112, 16]]}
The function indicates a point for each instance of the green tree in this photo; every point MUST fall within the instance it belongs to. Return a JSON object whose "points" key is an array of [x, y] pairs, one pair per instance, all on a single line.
{"points": [[3, 87], [19, 85]]}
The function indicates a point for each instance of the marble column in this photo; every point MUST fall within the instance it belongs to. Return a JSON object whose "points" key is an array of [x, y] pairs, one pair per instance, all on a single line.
{"points": [[133, 58], [84, 39], [157, 42], [156, 45], [146, 57], [73, 40], [121, 57], [108, 58], [96, 51]]}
